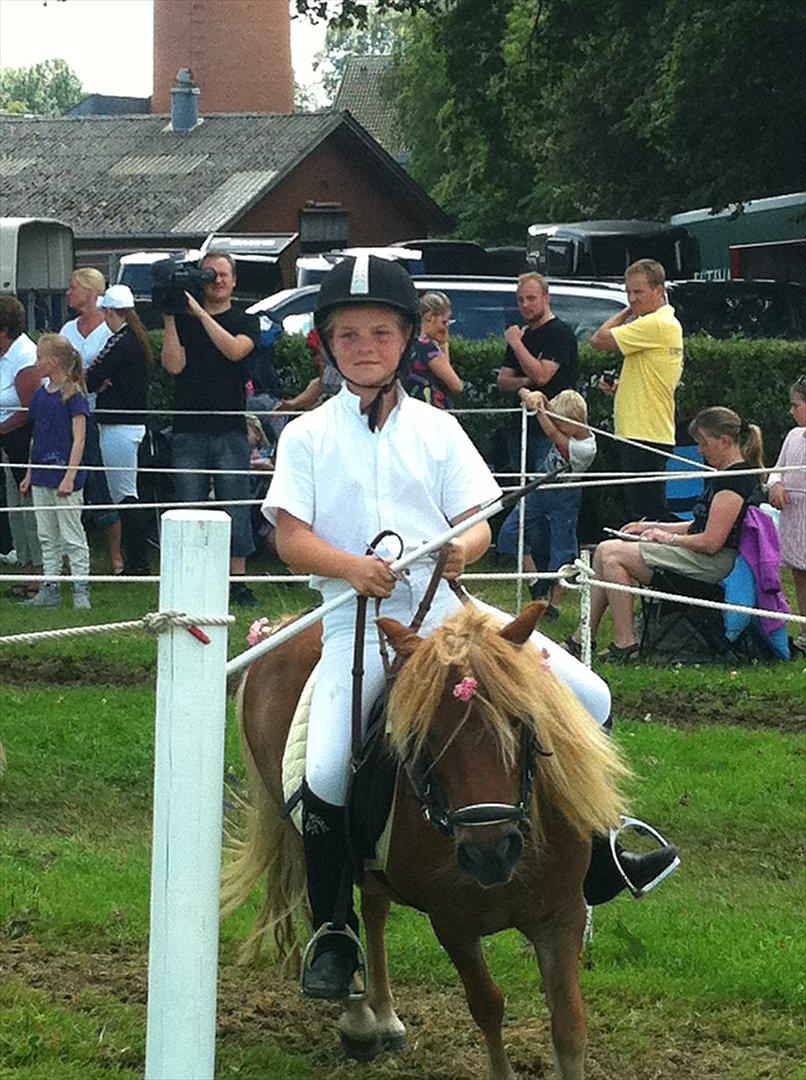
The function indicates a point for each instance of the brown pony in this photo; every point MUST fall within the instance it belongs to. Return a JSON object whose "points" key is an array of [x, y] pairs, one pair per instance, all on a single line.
{"points": [[482, 879]]}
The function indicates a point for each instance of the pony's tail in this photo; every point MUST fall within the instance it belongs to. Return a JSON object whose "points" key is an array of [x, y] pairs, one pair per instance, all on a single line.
{"points": [[264, 844]]}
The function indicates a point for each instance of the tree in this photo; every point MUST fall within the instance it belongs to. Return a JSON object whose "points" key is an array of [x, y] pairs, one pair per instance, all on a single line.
{"points": [[350, 12], [374, 35], [49, 88], [527, 110]]}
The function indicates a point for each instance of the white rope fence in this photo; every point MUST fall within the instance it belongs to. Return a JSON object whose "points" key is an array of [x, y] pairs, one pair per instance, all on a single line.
{"points": [[153, 622], [612, 480], [578, 575]]}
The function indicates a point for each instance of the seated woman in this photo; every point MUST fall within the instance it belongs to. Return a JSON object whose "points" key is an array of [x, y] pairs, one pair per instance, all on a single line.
{"points": [[703, 549]]}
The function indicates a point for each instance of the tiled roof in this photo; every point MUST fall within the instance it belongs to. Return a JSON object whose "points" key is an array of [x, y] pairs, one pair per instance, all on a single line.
{"points": [[128, 175], [364, 92]]}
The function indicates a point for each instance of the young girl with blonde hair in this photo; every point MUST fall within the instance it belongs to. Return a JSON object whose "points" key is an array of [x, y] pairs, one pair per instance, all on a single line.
{"points": [[59, 413]]}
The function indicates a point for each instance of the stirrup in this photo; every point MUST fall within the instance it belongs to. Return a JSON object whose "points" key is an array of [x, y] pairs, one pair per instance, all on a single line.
{"points": [[325, 930], [643, 829]]}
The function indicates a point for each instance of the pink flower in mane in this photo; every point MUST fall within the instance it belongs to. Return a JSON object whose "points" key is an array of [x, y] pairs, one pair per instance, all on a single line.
{"points": [[465, 689], [258, 631]]}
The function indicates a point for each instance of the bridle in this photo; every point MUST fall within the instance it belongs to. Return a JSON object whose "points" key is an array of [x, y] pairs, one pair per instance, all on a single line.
{"points": [[421, 770], [420, 767]]}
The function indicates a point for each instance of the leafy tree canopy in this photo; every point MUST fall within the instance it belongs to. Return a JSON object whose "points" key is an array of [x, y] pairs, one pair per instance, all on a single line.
{"points": [[517, 111], [49, 88]]}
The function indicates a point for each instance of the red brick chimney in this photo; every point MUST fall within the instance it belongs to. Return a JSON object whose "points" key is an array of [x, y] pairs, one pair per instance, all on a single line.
{"points": [[238, 50]]}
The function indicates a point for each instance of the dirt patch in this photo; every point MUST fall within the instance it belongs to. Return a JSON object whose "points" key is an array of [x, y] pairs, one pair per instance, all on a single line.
{"points": [[66, 671], [693, 708], [256, 1007]]}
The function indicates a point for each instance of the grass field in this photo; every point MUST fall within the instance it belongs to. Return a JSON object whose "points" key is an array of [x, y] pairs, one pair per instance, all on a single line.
{"points": [[705, 978]]}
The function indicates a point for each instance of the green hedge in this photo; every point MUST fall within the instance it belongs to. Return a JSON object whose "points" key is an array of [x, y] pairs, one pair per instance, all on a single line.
{"points": [[752, 377]]}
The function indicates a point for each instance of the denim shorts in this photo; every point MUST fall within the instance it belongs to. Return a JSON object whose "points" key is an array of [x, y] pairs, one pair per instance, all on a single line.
{"points": [[222, 450], [550, 528]]}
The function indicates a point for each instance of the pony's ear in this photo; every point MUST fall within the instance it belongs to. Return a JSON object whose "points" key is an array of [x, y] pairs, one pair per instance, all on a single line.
{"points": [[522, 625], [403, 640]]}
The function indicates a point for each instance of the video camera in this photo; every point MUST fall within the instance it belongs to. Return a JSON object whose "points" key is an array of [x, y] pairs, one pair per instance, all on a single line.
{"points": [[171, 279]]}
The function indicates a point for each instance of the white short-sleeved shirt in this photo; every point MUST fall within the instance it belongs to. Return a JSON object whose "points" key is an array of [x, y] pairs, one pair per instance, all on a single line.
{"points": [[350, 483], [88, 346], [20, 354]]}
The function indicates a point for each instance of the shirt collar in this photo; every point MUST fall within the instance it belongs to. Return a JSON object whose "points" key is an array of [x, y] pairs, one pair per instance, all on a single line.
{"points": [[350, 403]]}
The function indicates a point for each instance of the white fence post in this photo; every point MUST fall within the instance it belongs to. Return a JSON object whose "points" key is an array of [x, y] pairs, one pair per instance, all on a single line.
{"points": [[188, 789], [585, 613]]}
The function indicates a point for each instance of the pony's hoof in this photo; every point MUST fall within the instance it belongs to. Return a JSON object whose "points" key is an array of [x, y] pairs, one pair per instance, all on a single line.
{"points": [[361, 1049], [395, 1042]]}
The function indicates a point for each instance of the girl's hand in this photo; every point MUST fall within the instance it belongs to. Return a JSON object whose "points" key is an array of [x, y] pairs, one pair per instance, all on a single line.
{"points": [[371, 576], [779, 496], [25, 486], [65, 488], [534, 400], [456, 562]]}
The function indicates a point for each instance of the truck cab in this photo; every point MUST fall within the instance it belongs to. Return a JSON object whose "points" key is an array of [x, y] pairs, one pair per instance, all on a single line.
{"points": [[604, 249]]}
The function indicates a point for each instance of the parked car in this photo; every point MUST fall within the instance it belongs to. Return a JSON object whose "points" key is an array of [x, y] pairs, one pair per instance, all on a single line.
{"points": [[482, 307], [256, 255], [742, 308]]}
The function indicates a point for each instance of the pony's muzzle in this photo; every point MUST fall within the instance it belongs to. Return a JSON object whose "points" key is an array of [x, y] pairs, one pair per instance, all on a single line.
{"points": [[491, 863]]}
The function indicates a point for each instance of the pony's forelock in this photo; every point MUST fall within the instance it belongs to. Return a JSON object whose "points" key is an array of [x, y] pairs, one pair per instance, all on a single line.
{"points": [[582, 774]]}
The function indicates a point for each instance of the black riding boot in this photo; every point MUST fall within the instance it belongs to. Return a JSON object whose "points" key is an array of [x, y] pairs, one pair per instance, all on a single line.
{"points": [[604, 880], [335, 956], [134, 538]]}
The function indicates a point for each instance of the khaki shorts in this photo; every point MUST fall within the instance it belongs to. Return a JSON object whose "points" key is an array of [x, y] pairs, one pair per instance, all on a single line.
{"points": [[691, 564]]}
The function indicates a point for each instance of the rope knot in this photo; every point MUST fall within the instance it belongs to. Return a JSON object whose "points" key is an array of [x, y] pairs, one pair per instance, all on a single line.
{"points": [[160, 622], [574, 575]]}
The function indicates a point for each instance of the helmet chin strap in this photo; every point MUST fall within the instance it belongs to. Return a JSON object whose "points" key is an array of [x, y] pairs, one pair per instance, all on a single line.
{"points": [[374, 406]]}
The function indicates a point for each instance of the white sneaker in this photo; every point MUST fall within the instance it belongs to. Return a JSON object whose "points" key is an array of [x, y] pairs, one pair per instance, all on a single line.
{"points": [[10, 559], [48, 596]]}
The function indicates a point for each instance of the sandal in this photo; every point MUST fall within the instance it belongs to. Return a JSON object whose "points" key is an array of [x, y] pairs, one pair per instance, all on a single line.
{"points": [[620, 654]]}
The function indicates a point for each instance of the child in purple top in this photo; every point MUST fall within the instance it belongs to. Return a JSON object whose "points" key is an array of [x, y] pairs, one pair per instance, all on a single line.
{"points": [[58, 412]]}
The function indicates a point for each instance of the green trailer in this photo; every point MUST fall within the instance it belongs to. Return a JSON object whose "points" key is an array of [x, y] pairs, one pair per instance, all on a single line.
{"points": [[759, 221]]}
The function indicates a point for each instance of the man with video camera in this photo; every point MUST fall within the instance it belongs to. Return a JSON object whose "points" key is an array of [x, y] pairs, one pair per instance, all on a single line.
{"points": [[205, 348]]}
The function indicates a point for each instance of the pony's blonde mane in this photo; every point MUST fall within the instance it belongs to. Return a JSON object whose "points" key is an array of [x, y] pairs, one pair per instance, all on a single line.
{"points": [[581, 776]]}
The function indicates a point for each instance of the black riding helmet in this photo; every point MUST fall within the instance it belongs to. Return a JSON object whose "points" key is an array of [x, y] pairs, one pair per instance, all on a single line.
{"points": [[369, 279]]}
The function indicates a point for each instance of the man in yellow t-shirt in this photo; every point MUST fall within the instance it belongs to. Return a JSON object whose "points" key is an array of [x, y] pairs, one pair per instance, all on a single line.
{"points": [[651, 341]]}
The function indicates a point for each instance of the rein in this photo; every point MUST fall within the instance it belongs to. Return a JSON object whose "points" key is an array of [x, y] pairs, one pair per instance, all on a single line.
{"points": [[421, 770]]}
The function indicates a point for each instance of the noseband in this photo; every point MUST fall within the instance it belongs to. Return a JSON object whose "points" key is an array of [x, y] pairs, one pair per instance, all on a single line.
{"points": [[430, 791]]}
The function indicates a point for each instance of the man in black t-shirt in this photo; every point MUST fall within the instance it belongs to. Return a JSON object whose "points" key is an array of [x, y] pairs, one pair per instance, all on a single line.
{"points": [[542, 354], [205, 349]]}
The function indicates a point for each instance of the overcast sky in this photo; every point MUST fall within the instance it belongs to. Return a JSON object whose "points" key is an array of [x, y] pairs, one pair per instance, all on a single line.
{"points": [[108, 42]]}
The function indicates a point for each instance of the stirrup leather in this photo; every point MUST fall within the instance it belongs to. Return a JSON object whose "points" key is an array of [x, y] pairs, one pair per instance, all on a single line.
{"points": [[325, 930], [643, 829]]}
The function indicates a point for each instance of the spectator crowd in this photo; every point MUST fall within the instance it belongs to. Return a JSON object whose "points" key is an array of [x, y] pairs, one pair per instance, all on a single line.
{"points": [[79, 398]]}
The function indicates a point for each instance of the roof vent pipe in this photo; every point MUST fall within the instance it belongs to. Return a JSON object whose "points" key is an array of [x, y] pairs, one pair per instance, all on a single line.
{"points": [[184, 103]]}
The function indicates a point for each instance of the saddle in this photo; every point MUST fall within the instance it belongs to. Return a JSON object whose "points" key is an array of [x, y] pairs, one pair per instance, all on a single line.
{"points": [[374, 768]]}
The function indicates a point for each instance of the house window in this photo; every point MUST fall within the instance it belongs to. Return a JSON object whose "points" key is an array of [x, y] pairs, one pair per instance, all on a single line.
{"points": [[323, 227]]}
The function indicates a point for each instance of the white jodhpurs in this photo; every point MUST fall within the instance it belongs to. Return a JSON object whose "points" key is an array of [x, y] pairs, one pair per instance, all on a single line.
{"points": [[329, 726], [119, 445]]}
